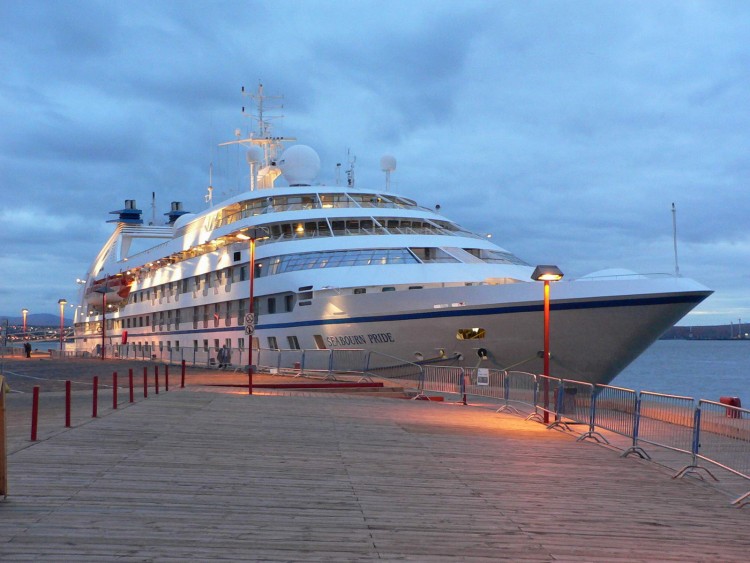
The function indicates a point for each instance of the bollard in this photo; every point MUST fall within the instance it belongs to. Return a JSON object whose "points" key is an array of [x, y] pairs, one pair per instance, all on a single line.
{"points": [[182, 376], [114, 390], [130, 383], [34, 412], [166, 378], [95, 404], [67, 404], [145, 382], [156, 379]]}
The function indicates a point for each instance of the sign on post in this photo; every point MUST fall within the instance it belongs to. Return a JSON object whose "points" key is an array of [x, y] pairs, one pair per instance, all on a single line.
{"points": [[483, 376], [249, 323]]}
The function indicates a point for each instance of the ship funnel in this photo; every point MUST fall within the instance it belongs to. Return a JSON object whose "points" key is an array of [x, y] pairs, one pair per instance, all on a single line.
{"points": [[130, 215], [175, 212]]}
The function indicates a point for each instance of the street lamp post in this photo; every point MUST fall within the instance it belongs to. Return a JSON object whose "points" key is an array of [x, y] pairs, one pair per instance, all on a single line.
{"points": [[103, 289], [252, 235], [62, 303], [546, 274], [24, 312]]}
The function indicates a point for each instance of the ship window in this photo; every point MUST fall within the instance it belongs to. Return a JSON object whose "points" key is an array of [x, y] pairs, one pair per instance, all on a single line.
{"points": [[304, 303], [241, 343], [288, 302], [470, 334], [433, 255], [272, 343], [388, 289], [195, 344], [306, 295], [319, 342], [216, 344], [271, 305], [415, 287], [205, 345], [237, 256], [293, 342], [360, 290]]}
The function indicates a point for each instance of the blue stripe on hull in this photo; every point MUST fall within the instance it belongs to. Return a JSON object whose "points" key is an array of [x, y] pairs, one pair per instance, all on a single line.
{"points": [[457, 312]]}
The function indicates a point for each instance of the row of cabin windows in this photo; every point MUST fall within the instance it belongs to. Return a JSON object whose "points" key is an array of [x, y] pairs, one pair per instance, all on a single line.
{"points": [[203, 316], [219, 278], [312, 260]]}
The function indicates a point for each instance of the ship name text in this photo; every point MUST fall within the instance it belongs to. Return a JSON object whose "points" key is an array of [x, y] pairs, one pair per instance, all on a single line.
{"points": [[360, 339]]}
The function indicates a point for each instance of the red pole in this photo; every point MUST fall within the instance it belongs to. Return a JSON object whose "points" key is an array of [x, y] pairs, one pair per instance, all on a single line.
{"points": [[95, 404], [252, 314], [114, 390], [156, 379], [34, 413], [130, 383], [166, 378], [145, 382], [182, 377], [67, 404], [546, 351]]}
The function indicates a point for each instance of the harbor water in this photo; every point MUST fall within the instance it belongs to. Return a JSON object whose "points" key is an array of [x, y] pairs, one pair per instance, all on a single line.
{"points": [[703, 369]]}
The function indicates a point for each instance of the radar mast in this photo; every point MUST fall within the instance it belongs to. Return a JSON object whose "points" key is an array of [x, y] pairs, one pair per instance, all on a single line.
{"points": [[264, 170]]}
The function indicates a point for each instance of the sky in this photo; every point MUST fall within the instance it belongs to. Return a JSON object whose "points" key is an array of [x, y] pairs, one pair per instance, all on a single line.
{"points": [[565, 130]]}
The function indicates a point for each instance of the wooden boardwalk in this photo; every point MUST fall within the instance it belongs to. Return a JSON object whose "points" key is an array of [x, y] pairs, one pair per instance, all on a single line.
{"points": [[195, 475]]}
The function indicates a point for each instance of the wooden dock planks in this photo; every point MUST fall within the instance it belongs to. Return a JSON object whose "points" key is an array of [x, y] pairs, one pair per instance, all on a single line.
{"points": [[193, 475]]}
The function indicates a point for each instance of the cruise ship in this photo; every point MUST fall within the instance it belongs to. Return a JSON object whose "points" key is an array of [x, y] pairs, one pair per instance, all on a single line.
{"points": [[344, 266]]}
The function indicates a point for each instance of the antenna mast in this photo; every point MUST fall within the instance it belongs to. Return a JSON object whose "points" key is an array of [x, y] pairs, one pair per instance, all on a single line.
{"points": [[209, 197], [674, 237], [264, 170]]}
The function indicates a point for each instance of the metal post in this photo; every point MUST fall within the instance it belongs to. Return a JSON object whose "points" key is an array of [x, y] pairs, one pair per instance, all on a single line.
{"points": [[95, 398], [114, 390], [251, 309], [34, 412], [130, 384], [546, 352], [104, 310], [67, 403]]}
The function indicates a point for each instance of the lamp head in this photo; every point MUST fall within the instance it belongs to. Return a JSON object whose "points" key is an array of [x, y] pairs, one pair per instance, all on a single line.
{"points": [[547, 273]]}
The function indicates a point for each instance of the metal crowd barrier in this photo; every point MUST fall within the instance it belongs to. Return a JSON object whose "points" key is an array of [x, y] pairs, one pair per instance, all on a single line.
{"points": [[520, 389], [723, 439], [390, 367], [666, 421], [444, 379]]}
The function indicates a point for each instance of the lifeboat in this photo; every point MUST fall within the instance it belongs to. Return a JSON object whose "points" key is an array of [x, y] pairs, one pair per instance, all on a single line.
{"points": [[116, 289]]}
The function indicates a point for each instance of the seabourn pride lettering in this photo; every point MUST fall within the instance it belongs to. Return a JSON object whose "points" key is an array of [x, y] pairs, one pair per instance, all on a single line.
{"points": [[360, 339]]}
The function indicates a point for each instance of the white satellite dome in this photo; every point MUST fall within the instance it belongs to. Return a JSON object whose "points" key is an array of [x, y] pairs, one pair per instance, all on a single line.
{"points": [[388, 163], [300, 165], [183, 220], [254, 155]]}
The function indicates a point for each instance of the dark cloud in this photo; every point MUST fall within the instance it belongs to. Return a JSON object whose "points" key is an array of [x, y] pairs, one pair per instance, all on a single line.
{"points": [[564, 129]]}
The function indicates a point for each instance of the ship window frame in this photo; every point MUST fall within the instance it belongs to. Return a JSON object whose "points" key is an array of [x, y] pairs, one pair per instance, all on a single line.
{"points": [[471, 333]]}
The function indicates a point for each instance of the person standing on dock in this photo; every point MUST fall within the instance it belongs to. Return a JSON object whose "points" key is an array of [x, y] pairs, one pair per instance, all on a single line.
{"points": [[221, 356], [27, 349]]}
